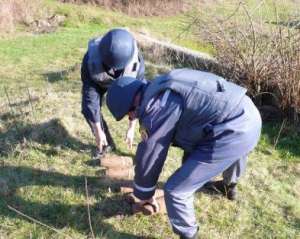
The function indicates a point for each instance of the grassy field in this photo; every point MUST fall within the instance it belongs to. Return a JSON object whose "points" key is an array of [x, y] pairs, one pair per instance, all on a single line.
{"points": [[45, 146]]}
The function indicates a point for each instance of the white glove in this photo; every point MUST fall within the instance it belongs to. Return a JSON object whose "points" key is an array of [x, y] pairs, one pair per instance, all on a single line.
{"points": [[99, 135], [101, 140], [130, 134], [130, 137]]}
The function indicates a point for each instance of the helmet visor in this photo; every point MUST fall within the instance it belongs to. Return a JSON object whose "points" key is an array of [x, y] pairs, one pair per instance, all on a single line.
{"points": [[115, 73]]}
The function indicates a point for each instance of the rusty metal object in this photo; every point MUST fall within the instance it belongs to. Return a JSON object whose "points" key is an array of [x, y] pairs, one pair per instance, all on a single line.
{"points": [[114, 161], [149, 209], [119, 173]]}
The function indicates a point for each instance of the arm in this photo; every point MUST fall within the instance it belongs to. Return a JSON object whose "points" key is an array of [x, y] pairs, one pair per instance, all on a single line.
{"points": [[100, 136], [91, 105], [140, 73], [158, 128]]}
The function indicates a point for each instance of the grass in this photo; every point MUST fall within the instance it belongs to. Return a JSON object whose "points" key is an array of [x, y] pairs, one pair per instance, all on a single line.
{"points": [[45, 148]]}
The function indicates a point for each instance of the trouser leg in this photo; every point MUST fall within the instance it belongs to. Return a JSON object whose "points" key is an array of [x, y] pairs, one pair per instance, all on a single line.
{"points": [[235, 171], [180, 188], [109, 138]]}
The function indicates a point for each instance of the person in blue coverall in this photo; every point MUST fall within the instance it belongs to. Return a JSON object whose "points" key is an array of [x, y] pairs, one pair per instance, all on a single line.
{"points": [[107, 58], [211, 119]]}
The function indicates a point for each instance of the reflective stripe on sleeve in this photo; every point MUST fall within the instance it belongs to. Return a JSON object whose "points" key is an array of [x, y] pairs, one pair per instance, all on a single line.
{"points": [[142, 189]]}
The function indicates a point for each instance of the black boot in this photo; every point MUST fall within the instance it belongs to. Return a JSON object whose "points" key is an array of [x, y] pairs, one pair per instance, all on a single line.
{"points": [[229, 191], [232, 191], [97, 155], [193, 237]]}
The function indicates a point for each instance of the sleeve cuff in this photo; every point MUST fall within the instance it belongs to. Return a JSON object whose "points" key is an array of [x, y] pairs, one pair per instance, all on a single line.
{"points": [[143, 193]]}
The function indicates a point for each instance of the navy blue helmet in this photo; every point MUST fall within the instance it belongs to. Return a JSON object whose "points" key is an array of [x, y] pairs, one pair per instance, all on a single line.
{"points": [[117, 49], [121, 94]]}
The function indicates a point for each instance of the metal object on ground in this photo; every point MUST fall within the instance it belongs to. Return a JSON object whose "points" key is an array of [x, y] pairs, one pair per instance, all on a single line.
{"points": [[149, 209], [114, 161], [120, 173]]}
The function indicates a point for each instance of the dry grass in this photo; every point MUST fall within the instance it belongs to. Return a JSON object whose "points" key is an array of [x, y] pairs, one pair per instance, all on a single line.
{"points": [[14, 12], [259, 53], [140, 7]]}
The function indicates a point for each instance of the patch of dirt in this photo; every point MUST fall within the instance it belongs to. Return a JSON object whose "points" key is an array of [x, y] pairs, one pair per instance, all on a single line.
{"points": [[46, 25]]}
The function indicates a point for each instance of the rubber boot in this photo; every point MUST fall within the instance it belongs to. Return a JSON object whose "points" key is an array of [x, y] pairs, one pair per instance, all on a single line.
{"points": [[229, 191], [193, 237]]}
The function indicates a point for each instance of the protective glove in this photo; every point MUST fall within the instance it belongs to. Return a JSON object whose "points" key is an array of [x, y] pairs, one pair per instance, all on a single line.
{"points": [[101, 140], [130, 137], [130, 134], [147, 207]]}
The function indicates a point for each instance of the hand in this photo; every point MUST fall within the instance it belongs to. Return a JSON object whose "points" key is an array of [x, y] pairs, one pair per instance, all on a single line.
{"points": [[130, 137], [130, 133], [101, 140], [152, 201]]}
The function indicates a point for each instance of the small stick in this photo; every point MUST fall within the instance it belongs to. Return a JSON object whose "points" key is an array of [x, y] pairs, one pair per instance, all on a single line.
{"points": [[31, 105], [36, 221], [88, 207], [279, 133], [11, 108], [9, 101]]}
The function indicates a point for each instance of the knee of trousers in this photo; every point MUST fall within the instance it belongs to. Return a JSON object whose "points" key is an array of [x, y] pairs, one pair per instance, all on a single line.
{"points": [[169, 190], [173, 192]]}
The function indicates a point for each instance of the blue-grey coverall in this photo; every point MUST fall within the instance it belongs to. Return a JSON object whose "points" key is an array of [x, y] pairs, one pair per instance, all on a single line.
{"points": [[93, 93], [224, 154]]}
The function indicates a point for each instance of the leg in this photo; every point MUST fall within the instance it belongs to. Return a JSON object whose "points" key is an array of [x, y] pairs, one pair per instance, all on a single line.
{"points": [[235, 171], [110, 141], [109, 138], [181, 186], [231, 175]]}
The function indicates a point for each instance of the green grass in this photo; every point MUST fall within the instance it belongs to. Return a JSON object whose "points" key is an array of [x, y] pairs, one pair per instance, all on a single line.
{"points": [[45, 148]]}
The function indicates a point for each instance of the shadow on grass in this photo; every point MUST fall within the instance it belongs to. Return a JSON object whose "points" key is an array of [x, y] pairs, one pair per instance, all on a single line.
{"points": [[23, 103], [57, 213], [55, 76], [52, 133]]}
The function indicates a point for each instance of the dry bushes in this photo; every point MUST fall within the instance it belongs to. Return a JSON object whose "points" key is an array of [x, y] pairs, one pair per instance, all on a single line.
{"points": [[262, 56], [13, 12], [140, 7]]}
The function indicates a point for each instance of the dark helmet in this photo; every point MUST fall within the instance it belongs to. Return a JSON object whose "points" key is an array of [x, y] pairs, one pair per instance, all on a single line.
{"points": [[117, 49], [120, 95]]}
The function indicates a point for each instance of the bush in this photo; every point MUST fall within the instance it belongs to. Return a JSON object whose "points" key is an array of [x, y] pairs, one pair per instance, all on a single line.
{"points": [[262, 55]]}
